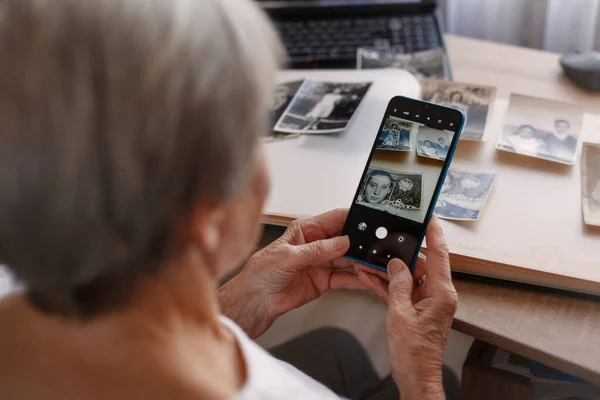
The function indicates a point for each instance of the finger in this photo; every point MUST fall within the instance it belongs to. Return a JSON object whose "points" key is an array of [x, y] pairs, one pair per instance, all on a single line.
{"points": [[401, 284], [321, 251], [344, 263], [348, 280], [371, 271], [332, 222], [338, 264], [437, 266], [378, 285]]}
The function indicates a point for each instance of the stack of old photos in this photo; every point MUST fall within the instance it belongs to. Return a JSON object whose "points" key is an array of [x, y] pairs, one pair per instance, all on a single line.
{"points": [[431, 67], [428, 63], [314, 107]]}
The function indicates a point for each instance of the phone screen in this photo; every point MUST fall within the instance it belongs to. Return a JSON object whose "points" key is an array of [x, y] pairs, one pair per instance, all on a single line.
{"points": [[402, 179]]}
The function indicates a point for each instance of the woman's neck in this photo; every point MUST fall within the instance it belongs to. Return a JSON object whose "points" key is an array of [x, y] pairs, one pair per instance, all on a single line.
{"points": [[169, 335], [184, 292]]}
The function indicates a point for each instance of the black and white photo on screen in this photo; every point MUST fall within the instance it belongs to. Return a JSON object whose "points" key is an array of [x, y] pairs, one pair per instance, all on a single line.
{"points": [[395, 135], [475, 101], [428, 63], [322, 107], [542, 128], [433, 143], [590, 183], [391, 191], [464, 195]]}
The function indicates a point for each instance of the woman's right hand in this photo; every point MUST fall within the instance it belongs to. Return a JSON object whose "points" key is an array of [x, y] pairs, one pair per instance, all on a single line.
{"points": [[420, 313]]}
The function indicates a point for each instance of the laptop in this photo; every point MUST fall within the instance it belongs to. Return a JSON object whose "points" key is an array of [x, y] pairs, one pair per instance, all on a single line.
{"points": [[326, 33]]}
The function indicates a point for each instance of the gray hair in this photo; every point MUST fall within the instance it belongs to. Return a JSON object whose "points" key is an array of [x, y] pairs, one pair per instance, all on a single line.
{"points": [[116, 118]]}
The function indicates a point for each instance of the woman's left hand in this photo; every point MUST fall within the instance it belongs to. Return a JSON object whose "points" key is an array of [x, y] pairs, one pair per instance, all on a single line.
{"points": [[297, 268]]}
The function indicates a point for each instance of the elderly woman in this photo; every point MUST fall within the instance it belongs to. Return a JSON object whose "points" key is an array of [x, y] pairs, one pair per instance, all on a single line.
{"points": [[132, 182]]}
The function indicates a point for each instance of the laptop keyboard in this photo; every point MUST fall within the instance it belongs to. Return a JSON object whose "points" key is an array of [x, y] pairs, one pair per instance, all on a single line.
{"points": [[333, 42]]}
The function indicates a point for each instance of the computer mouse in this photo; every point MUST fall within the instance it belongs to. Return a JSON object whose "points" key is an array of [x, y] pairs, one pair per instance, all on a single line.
{"points": [[583, 68]]}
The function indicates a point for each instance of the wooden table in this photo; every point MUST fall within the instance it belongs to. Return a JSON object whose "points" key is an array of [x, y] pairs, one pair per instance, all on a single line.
{"points": [[562, 331], [559, 330]]}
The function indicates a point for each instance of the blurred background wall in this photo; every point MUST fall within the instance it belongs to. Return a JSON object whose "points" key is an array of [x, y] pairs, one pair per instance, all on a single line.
{"points": [[554, 25]]}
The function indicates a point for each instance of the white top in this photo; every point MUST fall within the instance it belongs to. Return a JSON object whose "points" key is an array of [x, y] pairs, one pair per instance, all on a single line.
{"points": [[269, 378]]}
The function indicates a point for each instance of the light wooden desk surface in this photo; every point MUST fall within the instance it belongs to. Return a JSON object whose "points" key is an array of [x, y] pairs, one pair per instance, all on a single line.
{"points": [[559, 330]]}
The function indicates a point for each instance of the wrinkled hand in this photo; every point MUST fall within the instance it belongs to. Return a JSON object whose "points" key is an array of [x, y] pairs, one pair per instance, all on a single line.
{"points": [[297, 268], [420, 312]]}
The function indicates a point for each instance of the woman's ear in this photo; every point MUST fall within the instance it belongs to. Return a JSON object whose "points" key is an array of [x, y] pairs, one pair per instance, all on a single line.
{"points": [[207, 230]]}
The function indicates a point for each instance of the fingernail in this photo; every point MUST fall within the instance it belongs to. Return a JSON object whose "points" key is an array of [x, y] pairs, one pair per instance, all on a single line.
{"points": [[342, 242], [395, 266]]}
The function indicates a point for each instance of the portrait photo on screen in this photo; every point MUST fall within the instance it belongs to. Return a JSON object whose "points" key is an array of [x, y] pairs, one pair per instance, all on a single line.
{"points": [[475, 101], [542, 128], [322, 107], [391, 191], [464, 195], [395, 135], [433, 143]]}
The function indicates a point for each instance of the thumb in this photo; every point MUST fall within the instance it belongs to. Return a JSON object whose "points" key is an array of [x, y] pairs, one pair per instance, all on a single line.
{"points": [[401, 284], [321, 251]]}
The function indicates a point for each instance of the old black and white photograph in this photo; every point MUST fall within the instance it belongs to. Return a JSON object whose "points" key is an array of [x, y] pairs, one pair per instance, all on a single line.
{"points": [[322, 107], [428, 63], [542, 128], [463, 195], [395, 135], [590, 183], [433, 143], [282, 97], [391, 191], [475, 101]]}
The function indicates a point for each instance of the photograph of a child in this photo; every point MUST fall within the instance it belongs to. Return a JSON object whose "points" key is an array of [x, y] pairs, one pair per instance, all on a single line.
{"points": [[475, 101], [590, 183], [542, 128], [428, 63], [395, 135], [391, 191], [433, 143], [322, 107], [464, 195]]}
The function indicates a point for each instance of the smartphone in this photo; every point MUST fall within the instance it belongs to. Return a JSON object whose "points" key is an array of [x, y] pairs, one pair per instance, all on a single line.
{"points": [[401, 182]]}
